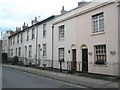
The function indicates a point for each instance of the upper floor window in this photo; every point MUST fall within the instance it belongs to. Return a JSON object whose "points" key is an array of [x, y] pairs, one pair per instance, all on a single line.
{"points": [[13, 40], [61, 32], [44, 50], [98, 22], [33, 33], [21, 38], [61, 54], [30, 50], [27, 35], [44, 30], [18, 39], [100, 54]]}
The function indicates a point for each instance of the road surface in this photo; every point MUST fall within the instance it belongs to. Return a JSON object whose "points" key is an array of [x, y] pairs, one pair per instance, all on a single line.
{"points": [[17, 79]]}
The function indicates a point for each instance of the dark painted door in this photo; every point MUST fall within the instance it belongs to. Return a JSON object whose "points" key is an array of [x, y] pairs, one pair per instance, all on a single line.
{"points": [[85, 60], [74, 59]]}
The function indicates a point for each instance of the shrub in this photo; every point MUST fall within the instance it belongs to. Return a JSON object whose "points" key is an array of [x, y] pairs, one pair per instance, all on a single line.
{"points": [[15, 60], [20, 63]]}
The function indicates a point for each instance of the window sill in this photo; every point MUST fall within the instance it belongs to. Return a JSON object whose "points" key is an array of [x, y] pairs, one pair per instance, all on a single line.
{"points": [[33, 39], [98, 33], [44, 37], [100, 65], [44, 56], [61, 39]]}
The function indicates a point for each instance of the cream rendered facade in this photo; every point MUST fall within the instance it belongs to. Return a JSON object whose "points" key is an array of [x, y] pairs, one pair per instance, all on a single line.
{"points": [[79, 33], [109, 37]]}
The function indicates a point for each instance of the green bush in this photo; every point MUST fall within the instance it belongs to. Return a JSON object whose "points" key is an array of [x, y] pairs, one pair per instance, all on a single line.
{"points": [[15, 60], [20, 63]]}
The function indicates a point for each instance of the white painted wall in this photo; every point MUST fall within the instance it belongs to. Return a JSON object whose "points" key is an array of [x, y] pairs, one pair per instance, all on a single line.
{"points": [[45, 40], [69, 40]]}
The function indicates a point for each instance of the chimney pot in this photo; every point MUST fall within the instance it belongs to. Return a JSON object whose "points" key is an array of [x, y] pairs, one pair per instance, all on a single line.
{"points": [[24, 24], [35, 19]]}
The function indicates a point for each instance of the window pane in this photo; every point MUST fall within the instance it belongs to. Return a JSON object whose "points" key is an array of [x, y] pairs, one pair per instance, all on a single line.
{"points": [[61, 32], [100, 53], [98, 22]]}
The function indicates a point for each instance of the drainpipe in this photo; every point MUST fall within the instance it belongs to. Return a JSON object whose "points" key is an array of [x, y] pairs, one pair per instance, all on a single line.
{"points": [[36, 44], [52, 43], [118, 39], [0, 52]]}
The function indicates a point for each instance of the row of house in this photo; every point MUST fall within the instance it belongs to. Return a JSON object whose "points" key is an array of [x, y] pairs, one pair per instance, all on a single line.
{"points": [[84, 39]]}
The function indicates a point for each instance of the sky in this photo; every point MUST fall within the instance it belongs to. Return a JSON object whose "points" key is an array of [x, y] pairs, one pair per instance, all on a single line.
{"points": [[13, 13]]}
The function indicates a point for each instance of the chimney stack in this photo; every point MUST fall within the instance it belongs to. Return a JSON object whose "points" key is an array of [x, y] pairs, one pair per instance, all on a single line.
{"points": [[35, 19], [18, 29], [63, 10], [24, 26], [81, 3]]}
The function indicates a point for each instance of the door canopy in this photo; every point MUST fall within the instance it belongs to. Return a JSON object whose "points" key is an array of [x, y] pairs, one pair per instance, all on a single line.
{"points": [[84, 46], [73, 46]]}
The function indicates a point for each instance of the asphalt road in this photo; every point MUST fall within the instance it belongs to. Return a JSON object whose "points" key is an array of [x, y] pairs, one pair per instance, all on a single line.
{"points": [[17, 79]]}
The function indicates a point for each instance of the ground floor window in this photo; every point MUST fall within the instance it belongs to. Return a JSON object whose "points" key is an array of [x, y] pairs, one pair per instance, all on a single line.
{"points": [[11, 52], [30, 51], [100, 54], [44, 50], [19, 51], [61, 54]]}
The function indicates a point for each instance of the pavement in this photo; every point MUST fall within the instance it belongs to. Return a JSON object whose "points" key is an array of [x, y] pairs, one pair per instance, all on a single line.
{"points": [[69, 78]]}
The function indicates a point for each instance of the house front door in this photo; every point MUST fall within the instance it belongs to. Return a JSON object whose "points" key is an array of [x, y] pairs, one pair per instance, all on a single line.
{"points": [[73, 59], [85, 60]]}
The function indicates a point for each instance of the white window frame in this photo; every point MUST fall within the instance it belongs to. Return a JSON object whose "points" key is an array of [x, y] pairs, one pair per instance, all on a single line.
{"points": [[100, 53], [61, 32], [44, 30], [98, 22], [44, 50], [30, 51], [33, 33], [11, 52], [27, 35], [17, 38], [13, 40], [61, 55], [21, 38]]}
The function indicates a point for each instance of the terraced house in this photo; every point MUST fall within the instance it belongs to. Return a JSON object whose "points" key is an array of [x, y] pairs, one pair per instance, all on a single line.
{"points": [[84, 39], [87, 37], [33, 43]]}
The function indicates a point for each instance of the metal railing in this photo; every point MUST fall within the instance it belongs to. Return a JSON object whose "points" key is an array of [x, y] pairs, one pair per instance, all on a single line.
{"points": [[110, 68]]}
